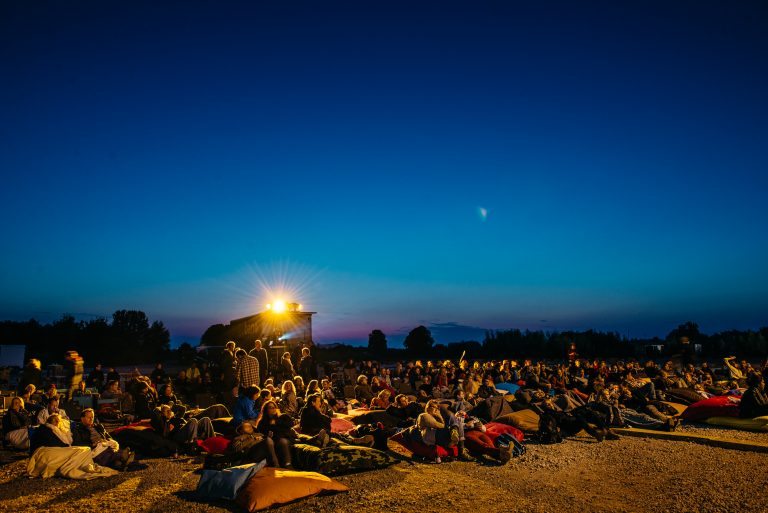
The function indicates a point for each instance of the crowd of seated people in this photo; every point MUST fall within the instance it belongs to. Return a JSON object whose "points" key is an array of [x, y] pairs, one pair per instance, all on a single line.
{"points": [[437, 403]]}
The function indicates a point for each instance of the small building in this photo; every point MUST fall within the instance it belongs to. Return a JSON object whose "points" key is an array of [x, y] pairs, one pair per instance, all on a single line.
{"points": [[287, 329]]}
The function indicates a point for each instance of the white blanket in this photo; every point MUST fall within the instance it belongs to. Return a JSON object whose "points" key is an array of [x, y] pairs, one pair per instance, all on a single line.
{"points": [[70, 462]]}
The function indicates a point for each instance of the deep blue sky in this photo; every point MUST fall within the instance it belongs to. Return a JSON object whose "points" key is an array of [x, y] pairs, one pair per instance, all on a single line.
{"points": [[188, 159]]}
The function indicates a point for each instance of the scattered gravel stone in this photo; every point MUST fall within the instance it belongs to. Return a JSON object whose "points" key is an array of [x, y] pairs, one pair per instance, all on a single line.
{"points": [[627, 475]]}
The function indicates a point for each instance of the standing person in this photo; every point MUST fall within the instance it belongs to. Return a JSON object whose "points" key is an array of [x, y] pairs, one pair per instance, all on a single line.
{"points": [[73, 364], [287, 366], [247, 370], [260, 354], [158, 375], [96, 378], [227, 364], [307, 366]]}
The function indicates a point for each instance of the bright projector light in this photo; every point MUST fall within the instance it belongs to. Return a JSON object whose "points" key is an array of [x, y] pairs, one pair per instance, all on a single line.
{"points": [[278, 306]]}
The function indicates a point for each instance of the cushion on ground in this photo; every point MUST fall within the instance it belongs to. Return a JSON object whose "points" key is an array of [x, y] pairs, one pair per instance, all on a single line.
{"points": [[524, 420], [214, 444], [756, 424], [339, 425], [224, 484], [718, 406], [683, 395], [496, 429], [339, 459], [510, 388], [425, 451], [272, 486], [679, 408]]}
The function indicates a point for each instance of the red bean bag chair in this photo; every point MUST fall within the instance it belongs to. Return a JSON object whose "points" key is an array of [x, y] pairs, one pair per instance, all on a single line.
{"points": [[339, 425], [494, 429], [214, 444], [478, 442], [718, 406], [431, 452]]}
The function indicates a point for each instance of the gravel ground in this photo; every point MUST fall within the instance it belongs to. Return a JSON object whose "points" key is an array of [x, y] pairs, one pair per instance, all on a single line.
{"points": [[721, 432], [628, 475]]}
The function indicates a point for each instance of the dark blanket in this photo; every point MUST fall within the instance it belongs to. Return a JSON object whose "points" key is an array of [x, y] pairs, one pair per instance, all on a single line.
{"points": [[491, 408], [146, 442], [376, 416]]}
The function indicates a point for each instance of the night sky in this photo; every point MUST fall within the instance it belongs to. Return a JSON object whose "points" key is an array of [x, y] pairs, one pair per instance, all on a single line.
{"points": [[462, 165]]}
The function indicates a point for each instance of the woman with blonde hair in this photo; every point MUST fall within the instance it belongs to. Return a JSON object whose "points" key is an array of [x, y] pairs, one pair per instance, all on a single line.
{"points": [[381, 401], [289, 404], [436, 427]]}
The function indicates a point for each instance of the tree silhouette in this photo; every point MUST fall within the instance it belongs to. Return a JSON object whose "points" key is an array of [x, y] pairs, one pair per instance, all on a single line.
{"points": [[419, 340], [377, 342]]}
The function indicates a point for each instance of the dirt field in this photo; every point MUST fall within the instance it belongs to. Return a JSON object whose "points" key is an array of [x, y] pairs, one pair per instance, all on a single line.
{"points": [[628, 475]]}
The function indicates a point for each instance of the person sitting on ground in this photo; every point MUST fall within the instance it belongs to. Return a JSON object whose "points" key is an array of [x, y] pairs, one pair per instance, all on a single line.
{"points": [[426, 389], [167, 396], [113, 375], [313, 387], [264, 396], [144, 402], [50, 392], [405, 410], [249, 445], [32, 406], [301, 388], [105, 450], [337, 405], [311, 417], [112, 391], [82, 391], [754, 401], [16, 422], [269, 384], [279, 428], [245, 408], [183, 432], [381, 401], [460, 403], [735, 372], [488, 388], [288, 402], [51, 434], [433, 429], [53, 408], [363, 392]]}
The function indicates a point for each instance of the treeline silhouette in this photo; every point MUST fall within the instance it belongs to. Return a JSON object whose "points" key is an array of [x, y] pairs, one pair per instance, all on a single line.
{"points": [[127, 338], [518, 344]]}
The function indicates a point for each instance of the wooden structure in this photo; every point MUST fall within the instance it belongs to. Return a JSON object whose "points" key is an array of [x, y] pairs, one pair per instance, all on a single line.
{"points": [[289, 329]]}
